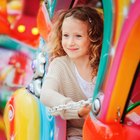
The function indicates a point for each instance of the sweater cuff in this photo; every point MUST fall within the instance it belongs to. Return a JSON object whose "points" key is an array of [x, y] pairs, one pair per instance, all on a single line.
{"points": [[70, 114]]}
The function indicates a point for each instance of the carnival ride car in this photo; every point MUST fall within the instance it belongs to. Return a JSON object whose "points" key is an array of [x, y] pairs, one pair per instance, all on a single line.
{"points": [[115, 110], [118, 116]]}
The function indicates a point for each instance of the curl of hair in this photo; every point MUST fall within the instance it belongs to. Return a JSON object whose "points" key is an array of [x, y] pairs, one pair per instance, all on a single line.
{"points": [[54, 46]]}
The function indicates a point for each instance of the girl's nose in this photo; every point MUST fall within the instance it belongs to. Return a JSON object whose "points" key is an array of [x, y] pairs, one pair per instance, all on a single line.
{"points": [[71, 41]]}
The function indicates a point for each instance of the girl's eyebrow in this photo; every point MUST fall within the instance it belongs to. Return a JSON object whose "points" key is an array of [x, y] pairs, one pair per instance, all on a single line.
{"points": [[76, 32]]}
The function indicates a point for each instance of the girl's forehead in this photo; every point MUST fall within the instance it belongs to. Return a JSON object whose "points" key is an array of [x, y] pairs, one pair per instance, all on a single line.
{"points": [[71, 22], [72, 19]]}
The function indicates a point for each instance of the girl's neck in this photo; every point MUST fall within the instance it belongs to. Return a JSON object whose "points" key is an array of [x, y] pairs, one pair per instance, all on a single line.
{"points": [[82, 63], [84, 69]]}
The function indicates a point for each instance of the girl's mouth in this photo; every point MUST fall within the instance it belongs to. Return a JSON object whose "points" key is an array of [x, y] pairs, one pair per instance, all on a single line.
{"points": [[72, 49]]}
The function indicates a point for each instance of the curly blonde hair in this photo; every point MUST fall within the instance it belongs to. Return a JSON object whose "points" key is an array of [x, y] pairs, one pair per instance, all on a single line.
{"points": [[94, 20]]}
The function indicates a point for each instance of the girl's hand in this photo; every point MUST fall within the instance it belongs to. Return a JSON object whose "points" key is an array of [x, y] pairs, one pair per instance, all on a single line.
{"points": [[84, 111]]}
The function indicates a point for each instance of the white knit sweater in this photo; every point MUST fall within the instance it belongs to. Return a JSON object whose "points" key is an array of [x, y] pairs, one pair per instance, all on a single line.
{"points": [[61, 87]]}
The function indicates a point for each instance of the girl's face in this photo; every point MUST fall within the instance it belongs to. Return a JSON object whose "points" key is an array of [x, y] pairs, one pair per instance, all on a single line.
{"points": [[75, 39]]}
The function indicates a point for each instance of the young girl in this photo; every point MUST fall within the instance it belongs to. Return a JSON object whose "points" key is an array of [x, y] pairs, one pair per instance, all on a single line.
{"points": [[75, 45]]}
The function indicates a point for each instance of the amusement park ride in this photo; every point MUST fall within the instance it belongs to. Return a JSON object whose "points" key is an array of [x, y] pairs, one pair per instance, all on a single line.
{"points": [[19, 39], [115, 113]]}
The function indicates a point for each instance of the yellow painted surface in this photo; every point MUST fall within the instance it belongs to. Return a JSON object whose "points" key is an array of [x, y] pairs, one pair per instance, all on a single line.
{"points": [[26, 117]]}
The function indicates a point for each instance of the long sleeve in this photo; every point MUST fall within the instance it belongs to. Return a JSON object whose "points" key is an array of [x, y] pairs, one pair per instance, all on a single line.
{"points": [[53, 89]]}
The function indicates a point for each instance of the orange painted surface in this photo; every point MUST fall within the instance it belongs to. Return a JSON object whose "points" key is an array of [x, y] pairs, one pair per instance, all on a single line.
{"points": [[4, 24], [43, 22], [96, 130], [120, 7]]}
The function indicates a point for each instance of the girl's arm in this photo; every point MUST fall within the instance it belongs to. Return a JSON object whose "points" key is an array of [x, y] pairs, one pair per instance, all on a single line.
{"points": [[51, 91]]}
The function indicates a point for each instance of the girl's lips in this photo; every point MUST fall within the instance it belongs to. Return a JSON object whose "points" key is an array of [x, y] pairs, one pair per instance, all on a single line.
{"points": [[72, 49]]}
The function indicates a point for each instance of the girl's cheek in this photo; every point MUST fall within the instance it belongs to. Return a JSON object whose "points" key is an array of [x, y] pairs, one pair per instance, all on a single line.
{"points": [[64, 42]]}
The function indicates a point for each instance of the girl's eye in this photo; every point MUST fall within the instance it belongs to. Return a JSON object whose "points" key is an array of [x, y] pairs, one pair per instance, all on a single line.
{"points": [[65, 35], [78, 36]]}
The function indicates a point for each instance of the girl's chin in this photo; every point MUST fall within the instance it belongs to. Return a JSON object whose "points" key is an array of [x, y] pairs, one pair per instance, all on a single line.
{"points": [[73, 57]]}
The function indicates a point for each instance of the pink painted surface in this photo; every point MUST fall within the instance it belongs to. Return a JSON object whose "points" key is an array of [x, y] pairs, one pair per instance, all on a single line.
{"points": [[60, 129]]}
